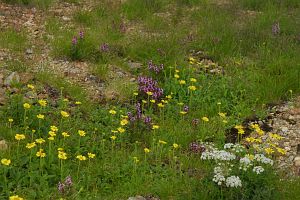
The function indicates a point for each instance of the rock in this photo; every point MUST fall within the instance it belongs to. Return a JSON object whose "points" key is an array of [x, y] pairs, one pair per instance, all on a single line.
{"points": [[135, 65], [3, 145], [2, 96], [13, 77], [297, 161], [31, 95], [26, 77], [66, 18], [137, 198], [284, 129], [29, 51]]}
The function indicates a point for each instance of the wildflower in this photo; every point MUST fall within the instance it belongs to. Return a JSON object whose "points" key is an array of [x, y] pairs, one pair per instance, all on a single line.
{"points": [[149, 93], [65, 100], [223, 115], [114, 131], [121, 130], [15, 197], [81, 157], [81, 133], [53, 128], [51, 138], [146, 150], [233, 181], [241, 131], [62, 155], [205, 119], [250, 139], [65, 134], [40, 116], [250, 156], [192, 88], [26, 105], [182, 112], [30, 86], [42, 102], [169, 97], [225, 121], [64, 114], [238, 127], [40, 140], [113, 112], [135, 94], [193, 80], [91, 155], [61, 187], [269, 150], [175, 146], [135, 159], [52, 133], [10, 120], [280, 150], [258, 169], [30, 145], [275, 136], [260, 132], [164, 101], [81, 34], [160, 105], [263, 159], [41, 153], [162, 142], [68, 181], [144, 101], [74, 40], [182, 82], [104, 47], [60, 149], [5, 161], [19, 136], [192, 60], [152, 101], [124, 122], [78, 103], [176, 70], [155, 127], [186, 108], [176, 76], [113, 137]]}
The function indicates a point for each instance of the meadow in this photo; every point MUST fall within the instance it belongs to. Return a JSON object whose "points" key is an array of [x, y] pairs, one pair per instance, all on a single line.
{"points": [[180, 122]]}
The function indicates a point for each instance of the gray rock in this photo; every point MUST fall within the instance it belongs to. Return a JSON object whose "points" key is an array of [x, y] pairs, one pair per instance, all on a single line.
{"points": [[13, 77], [3, 145], [31, 95], [137, 198], [297, 161], [29, 51], [135, 65]]}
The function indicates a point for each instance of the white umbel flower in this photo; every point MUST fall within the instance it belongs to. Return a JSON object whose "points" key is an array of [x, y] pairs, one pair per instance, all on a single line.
{"points": [[263, 159], [258, 169], [233, 181]]}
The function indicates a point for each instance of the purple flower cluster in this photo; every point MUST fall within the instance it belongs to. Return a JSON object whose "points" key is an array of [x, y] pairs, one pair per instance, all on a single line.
{"points": [[195, 122], [186, 108], [139, 116], [154, 67], [147, 84], [65, 185], [104, 47], [196, 147], [75, 38], [81, 34]]}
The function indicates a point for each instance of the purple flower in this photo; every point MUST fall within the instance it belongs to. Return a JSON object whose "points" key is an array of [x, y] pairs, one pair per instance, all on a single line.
{"points": [[81, 34], [154, 67], [61, 187], [195, 122], [138, 111], [74, 40], [276, 28], [186, 108], [197, 148], [68, 181], [147, 84], [147, 120], [104, 47]]}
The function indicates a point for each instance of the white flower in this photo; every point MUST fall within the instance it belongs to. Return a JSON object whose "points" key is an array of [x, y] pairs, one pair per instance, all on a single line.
{"points": [[218, 177], [263, 159], [228, 145], [218, 155], [245, 163], [258, 169], [233, 181], [238, 148]]}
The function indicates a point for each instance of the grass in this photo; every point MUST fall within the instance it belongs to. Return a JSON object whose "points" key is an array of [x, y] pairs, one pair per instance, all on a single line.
{"points": [[156, 153]]}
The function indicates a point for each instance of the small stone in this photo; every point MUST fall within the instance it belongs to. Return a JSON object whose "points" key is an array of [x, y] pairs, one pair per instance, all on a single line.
{"points": [[66, 18], [135, 65], [132, 79], [29, 51], [3, 145], [13, 77], [137, 198], [297, 161], [284, 129], [31, 95]]}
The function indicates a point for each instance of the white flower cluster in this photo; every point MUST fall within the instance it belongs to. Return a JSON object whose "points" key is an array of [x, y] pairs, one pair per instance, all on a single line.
{"points": [[218, 177], [235, 147], [258, 169], [263, 159], [217, 155], [245, 163], [233, 181]]}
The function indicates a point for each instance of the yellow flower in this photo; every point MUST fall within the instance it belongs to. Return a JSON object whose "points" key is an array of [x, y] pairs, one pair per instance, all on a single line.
{"points": [[250, 139], [91, 155], [238, 127], [146, 150], [30, 145], [275, 136], [155, 127], [135, 159], [113, 137], [280, 150], [40, 140], [66, 100], [176, 70], [180, 103], [225, 121], [192, 60], [64, 114], [33, 131], [260, 132], [62, 155], [78, 103], [121, 130], [135, 93], [149, 93], [5, 161], [169, 97], [144, 101], [53, 128], [51, 138], [40, 116], [205, 119], [81, 157], [162, 142], [30, 86], [193, 80], [192, 88], [164, 101], [10, 120], [113, 112], [81, 133], [124, 122], [182, 82], [269, 150], [26, 105], [52, 133], [60, 149], [19, 136], [15, 197], [41, 153], [258, 140], [223, 115], [65, 134], [250, 156], [241, 131], [42, 102], [175, 146], [114, 131], [254, 126], [160, 105], [176, 76], [152, 101], [183, 112]]}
